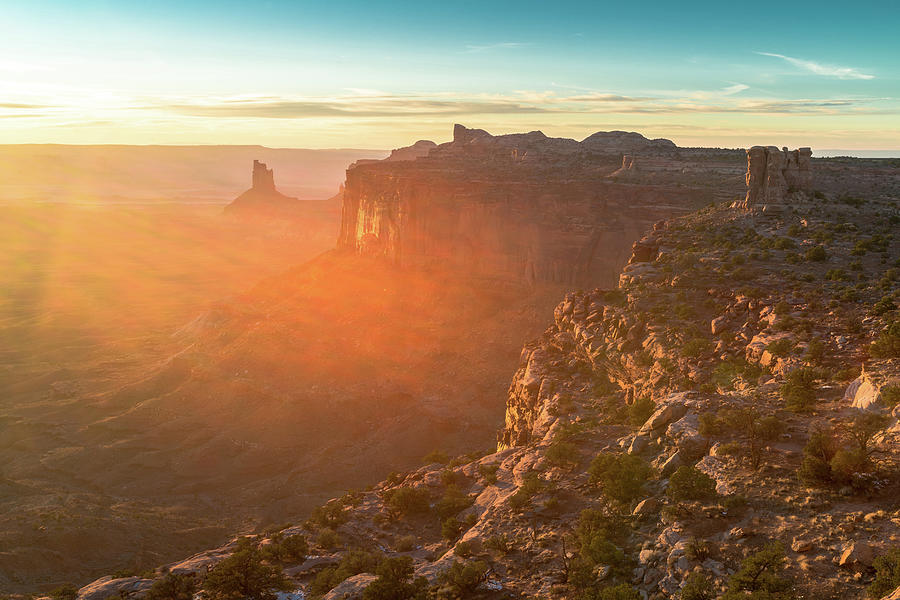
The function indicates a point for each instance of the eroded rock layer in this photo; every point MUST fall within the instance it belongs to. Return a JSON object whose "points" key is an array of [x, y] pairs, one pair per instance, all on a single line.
{"points": [[520, 207]]}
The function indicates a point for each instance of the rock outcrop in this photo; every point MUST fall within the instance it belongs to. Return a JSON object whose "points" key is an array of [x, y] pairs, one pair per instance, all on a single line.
{"points": [[262, 199], [774, 175], [520, 207]]}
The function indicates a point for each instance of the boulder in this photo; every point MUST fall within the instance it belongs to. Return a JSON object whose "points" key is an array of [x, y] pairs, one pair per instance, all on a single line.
{"points": [[857, 555], [672, 409]]}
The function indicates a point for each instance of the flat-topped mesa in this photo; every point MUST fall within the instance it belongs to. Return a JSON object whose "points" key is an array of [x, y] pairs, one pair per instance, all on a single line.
{"points": [[774, 176], [263, 178], [521, 207]]}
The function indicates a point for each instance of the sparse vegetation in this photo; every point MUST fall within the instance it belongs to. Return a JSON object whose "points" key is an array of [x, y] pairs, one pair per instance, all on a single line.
{"points": [[689, 483], [621, 477], [244, 575], [799, 390], [887, 574], [761, 576], [173, 587]]}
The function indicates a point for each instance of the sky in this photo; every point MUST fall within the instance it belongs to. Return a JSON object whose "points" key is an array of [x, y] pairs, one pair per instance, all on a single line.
{"points": [[384, 74]]}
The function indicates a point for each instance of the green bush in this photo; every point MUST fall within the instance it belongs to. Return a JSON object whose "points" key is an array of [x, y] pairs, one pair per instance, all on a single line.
{"points": [[761, 576], [888, 343], [621, 477], [623, 591], [436, 456], [815, 352], [561, 452], [406, 543], [451, 528], [244, 575], [489, 473], [599, 536], [883, 306], [395, 582], [531, 485], [815, 469], [639, 411], [816, 253], [65, 592], [406, 501], [887, 574], [697, 586], [328, 538], [690, 483], [890, 395], [286, 549], [331, 514], [462, 579], [781, 347], [799, 390], [352, 563], [452, 502], [696, 348], [697, 549], [500, 543], [173, 587]]}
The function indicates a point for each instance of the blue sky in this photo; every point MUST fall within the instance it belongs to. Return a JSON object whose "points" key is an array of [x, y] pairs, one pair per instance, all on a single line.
{"points": [[313, 74]]}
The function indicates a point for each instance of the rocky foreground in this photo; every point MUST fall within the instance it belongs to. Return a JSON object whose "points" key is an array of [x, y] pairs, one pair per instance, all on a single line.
{"points": [[722, 424]]}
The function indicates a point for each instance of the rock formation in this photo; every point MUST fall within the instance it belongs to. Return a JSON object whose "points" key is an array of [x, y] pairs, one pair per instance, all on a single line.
{"points": [[773, 175], [263, 178], [519, 207], [262, 199]]}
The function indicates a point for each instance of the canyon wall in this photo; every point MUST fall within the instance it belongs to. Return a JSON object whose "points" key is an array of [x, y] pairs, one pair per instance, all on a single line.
{"points": [[518, 207]]}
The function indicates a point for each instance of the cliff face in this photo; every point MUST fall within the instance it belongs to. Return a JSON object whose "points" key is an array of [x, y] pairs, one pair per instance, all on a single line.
{"points": [[519, 207]]}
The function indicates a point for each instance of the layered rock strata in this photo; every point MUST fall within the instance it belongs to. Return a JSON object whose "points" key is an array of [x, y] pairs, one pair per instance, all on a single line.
{"points": [[773, 175], [517, 207]]}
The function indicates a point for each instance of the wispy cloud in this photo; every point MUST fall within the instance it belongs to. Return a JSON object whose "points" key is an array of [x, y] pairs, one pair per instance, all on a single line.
{"points": [[496, 46], [521, 102], [821, 69]]}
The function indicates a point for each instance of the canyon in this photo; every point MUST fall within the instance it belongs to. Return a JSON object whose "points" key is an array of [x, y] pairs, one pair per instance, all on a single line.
{"points": [[328, 376]]}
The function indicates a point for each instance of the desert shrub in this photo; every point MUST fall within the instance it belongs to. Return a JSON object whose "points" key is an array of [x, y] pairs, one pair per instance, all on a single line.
{"points": [[890, 395], [816, 253], [836, 275], [561, 452], [331, 514], [799, 390], [690, 483], [328, 538], [65, 592], [452, 502], [406, 501], [770, 427], [623, 591], [696, 347], [173, 587], [395, 582], [697, 549], [697, 586], [781, 347], [731, 449], [761, 576], [451, 528], [286, 549], [462, 579], [244, 575], [531, 485], [597, 535], [784, 244], [710, 425], [820, 449], [621, 477], [887, 574], [352, 563], [406, 543], [488, 473], [450, 477], [640, 411], [815, 351], [500, 542], [436, 456], [463, 550], [885, 305], [888, 343]]}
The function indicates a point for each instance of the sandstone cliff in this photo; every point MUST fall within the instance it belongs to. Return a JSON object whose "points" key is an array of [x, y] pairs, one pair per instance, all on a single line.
{"points": [[774, 176], [521, 207]]}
